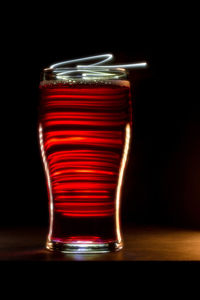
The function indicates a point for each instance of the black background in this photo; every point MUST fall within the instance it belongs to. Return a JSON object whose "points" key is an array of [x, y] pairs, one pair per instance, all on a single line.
{"points": [[162, 181]]}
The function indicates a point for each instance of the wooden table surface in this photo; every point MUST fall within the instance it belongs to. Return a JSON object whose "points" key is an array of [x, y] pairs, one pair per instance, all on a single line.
{"points": [[140, 244]]}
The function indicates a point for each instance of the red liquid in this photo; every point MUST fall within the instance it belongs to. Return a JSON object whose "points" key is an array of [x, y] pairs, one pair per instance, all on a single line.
{"points": [[84, 129]]}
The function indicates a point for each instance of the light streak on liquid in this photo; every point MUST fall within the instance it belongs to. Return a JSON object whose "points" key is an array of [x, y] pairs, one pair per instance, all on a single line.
{"points": [[84, 132]]}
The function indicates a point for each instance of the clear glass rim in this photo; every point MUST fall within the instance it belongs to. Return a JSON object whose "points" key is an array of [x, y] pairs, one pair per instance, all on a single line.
{"points": [[84, 73]]}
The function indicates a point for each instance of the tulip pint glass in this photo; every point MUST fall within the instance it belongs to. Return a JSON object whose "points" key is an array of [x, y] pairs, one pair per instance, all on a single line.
{"points": [[84, 132]]}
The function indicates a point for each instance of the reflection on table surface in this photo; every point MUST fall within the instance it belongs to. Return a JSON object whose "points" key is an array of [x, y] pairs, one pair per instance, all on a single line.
{"points": [[141, 243]]}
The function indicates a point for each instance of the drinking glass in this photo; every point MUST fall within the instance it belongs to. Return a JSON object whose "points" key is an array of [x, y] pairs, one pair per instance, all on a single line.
{"points": [[84, 134]]}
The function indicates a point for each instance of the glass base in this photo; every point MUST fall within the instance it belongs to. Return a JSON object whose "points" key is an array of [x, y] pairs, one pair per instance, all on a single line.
{"points": [[84, 247]]}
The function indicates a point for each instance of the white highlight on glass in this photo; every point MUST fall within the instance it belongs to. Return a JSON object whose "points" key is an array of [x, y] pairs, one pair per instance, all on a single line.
{"points": [[48, 178], [121, 173]]}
